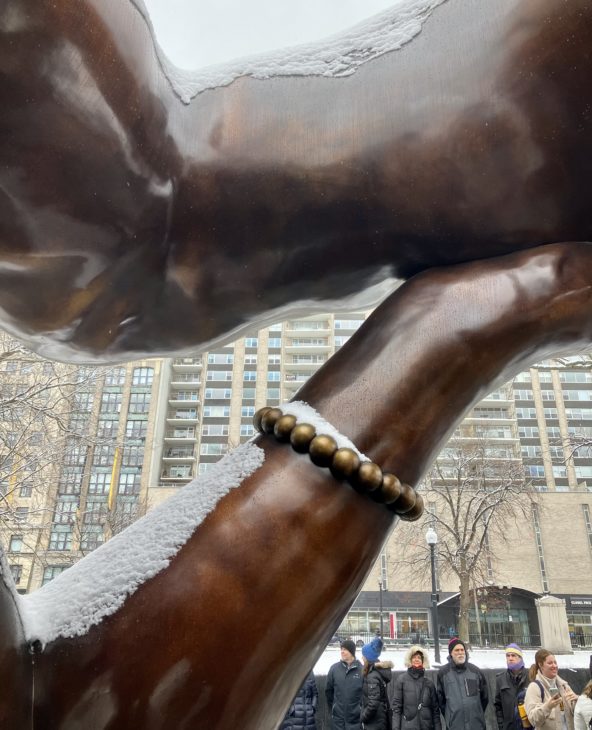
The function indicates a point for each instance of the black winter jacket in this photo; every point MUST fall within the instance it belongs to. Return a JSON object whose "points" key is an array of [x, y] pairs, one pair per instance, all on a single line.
{"points": [[415, 702], [301, 715], [507, 685], [463, 696], [344, 695], [376, 710]]}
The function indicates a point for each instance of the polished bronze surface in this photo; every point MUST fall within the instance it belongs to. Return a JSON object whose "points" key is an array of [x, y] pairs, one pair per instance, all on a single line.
{"points": [[368, 477], [283, 427], [345, 463], [322, 450], [269, 574], [301, 436], [131, 223], [390, 489], [415, 512]]}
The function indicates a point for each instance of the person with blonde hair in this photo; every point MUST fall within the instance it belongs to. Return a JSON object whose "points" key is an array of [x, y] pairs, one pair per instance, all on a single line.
{"points": [[583, 709], [549, 700], [415, 700]]}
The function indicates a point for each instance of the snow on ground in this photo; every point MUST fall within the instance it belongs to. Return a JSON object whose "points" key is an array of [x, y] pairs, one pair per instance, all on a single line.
{"points": [[483, 658]]}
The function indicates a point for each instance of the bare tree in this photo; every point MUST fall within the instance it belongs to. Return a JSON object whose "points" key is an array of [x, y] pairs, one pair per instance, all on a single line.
{"points": [[45, 410], [473, 493]]}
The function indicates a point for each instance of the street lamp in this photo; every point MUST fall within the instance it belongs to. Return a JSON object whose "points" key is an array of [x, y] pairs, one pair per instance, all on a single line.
{"points": [[380, 585], [432, 541]]}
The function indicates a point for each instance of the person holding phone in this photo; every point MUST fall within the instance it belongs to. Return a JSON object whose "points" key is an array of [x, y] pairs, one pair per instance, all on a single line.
{"points": [[549, 700]]}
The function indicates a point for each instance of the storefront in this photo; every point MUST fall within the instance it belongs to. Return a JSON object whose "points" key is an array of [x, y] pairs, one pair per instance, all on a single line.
{"points": [[579, 620]]}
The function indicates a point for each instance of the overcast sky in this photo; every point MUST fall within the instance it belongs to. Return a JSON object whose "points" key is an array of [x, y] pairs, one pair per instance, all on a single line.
{"points": [[197, 33]]}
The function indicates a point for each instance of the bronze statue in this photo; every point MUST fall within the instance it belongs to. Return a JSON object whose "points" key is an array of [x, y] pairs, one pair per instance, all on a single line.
{"points": [[132, 223]]}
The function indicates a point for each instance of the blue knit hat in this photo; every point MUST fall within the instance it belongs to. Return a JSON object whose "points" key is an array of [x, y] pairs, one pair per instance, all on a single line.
{"points": [[371, 651]]}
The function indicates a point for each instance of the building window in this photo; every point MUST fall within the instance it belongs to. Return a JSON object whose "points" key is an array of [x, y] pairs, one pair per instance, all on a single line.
{"points": [[273, 376], [140, 402], [96, 509], [204, 467], [251, 342], [111, 402], [214, 429], [539, 543], [103, 455], [219, 375], [274, 359], [129, 483], [216, 411], [274, 342], [213, 449], [218, 393], [70, 481], [26, 490], [248, 393], [107, 428], [17, 572], [99, 483], [142, 376], [273, 394], [528, 432], [52, 571], [250, 359], [65, 512], [60, 540], [588, 523], [247, 411], [136, 429], [250, 375], [115, 376], [133, 456], [246, 429], [190, 395], [91, 540], [224, 358], [16, 544]]}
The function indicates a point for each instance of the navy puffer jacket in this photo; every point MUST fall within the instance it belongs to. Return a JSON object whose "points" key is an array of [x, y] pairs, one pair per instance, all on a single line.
{"points": [[301, 715]]}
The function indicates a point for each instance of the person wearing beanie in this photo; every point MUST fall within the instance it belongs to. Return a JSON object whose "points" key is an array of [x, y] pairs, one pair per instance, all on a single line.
{"points": [[343, 689], [509, 686], [376, 709], [415, 701], [462, 690]]}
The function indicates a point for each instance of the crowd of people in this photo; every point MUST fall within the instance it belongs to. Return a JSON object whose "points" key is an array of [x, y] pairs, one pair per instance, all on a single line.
{"points": [[358, 695]]}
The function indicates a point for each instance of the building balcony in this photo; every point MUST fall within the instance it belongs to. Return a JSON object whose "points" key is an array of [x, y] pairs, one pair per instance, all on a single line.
{"points": [[167, 476], [184, 364], [182, 416], [173, 401], [181, 435], [185, 380]]}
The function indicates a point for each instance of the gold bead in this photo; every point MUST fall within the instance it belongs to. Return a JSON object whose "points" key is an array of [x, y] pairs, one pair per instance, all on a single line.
{"points": [[258, 416], [406, 501], [368, 476], [321, 450], [390, 491], [283, 427], [345, 463], [301, 436], [415, 512], [269, 418]]}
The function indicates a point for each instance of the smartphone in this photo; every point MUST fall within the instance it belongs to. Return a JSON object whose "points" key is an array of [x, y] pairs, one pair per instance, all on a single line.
{"points": [[553, 691]]}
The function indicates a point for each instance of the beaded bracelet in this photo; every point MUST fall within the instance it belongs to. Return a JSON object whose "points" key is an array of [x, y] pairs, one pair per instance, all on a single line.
{"points": [[344, 463]]}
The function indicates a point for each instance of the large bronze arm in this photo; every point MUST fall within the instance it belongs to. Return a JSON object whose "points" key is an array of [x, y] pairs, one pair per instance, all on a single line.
{"points": [[132, 223], [269, 574]]}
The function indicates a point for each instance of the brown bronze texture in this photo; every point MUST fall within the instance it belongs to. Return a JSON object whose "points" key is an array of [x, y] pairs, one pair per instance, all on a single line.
{"points": [[132, 224]]}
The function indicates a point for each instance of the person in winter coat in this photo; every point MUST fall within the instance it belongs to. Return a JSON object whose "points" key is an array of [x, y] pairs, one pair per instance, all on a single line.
{"points": [[462, 690], [415, 701], [344, 689], [301, 715], [508, 685], [583, 709], [376, 710], [549, 700]]}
